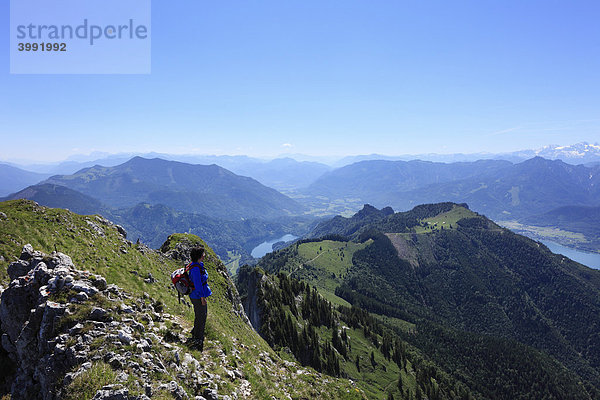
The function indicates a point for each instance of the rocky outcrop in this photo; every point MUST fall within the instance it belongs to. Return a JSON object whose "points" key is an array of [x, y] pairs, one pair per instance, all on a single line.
{"points": [[30, 318], [121, 231], [57, 322]]}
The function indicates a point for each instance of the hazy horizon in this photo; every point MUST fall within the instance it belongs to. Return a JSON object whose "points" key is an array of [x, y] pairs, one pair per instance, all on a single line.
{"points": [[319, 78], [324, 158]]}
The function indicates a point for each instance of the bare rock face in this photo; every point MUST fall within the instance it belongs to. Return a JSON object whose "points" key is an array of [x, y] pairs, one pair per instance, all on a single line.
{"points": [[181, 251], [29, 320], [34, 333], [121, 231], [253, 282]]}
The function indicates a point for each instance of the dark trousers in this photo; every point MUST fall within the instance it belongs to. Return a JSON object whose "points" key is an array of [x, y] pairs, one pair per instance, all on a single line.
{"points": [[200, 312]]}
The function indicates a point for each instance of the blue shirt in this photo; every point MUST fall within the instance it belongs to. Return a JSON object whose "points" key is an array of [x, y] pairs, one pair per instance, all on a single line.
{"points": [[199, 277]]}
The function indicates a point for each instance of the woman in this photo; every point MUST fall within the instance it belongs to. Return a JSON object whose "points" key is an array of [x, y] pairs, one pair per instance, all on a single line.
{"points": [[199, 296]]}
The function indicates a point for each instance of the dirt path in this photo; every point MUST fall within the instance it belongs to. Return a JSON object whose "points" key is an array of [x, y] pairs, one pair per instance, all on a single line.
{"points": [[309, 261], [318, 255]]}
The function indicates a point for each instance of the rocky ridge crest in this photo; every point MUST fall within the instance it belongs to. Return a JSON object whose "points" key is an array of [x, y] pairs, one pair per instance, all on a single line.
{"points": [[58, 322]]}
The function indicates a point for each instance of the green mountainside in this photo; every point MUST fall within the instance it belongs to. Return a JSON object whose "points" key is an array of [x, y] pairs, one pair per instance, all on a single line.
{"points": [[298, 322], [233, 241], [98, 247], [204, 189], [487, 306], [435, 303]]}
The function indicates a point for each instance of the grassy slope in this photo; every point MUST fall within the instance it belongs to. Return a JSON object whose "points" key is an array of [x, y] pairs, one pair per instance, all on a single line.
{"points": [[329, 261], [328, 258], [317, 263], [445, 220], [376, 380], [324, 264], [114, 258]]}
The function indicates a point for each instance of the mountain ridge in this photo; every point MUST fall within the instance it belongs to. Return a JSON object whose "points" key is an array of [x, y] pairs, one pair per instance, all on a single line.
{"points": [[498, 189], [209, 190], [445, 265]]}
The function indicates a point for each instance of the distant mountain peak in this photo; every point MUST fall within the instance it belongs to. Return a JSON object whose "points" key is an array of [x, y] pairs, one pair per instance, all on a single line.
{"points": [[206, 189], [370, 211], [583, 150], [540, 160]]}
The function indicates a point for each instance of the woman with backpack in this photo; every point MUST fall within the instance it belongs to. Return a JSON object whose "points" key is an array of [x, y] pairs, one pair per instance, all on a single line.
{"points": [[198, 296]]}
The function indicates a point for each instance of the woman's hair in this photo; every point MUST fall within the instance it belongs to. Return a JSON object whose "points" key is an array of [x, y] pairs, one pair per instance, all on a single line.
{"points": [[196, 253]]}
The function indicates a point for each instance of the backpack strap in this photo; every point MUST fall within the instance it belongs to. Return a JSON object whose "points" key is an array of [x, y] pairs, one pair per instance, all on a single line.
{"points": [[189, 267]]}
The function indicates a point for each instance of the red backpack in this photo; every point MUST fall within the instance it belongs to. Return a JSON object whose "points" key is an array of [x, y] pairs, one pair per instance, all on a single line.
{"points": [[182, 281]]}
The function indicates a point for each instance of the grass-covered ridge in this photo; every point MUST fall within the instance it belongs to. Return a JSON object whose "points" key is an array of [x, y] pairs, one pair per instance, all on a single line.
{"points": [[96, 245], [472, 285]]}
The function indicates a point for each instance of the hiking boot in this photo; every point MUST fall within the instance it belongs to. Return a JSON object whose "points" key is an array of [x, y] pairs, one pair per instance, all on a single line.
{"points": [[195, 344]]}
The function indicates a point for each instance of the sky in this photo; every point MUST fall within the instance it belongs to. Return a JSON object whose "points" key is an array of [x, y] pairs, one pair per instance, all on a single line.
{"points": [[264, 78]]}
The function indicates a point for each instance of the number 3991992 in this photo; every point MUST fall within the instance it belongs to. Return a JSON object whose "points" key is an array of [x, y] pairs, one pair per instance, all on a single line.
{"points": [[42, 46]]}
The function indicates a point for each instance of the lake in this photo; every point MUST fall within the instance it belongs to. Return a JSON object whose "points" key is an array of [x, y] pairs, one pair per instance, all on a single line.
{"points": [[267, 247], [592, 260]]}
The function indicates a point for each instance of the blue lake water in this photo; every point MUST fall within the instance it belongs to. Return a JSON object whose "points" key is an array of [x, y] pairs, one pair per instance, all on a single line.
{"points": [[267, 247], [592, 260]]}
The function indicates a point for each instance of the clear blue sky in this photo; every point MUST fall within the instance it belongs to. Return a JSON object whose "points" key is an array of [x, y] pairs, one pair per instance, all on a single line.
{"points": [[325, 78]]}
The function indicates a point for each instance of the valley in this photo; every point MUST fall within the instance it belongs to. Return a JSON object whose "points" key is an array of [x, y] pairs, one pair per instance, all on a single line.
{"points": [[368, 296], [574, 240], [237, 219]]}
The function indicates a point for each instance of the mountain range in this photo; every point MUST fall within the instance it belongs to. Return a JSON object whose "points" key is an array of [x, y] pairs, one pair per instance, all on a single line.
{"points": [[209, 194], [368, 179], [579, 153], [282, 173], [296, 171], [498, 189], [206, 189], [483, 304]]}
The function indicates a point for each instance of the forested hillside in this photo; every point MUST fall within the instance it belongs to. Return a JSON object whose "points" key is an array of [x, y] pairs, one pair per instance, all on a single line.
{"points": [[441, 273]]}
